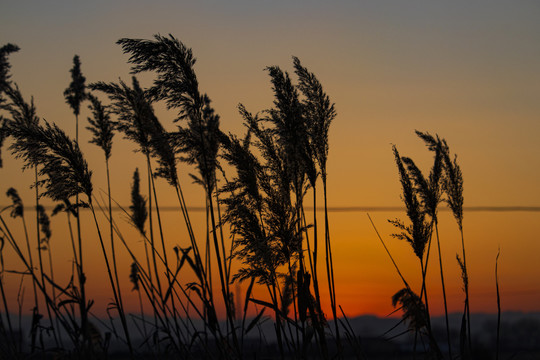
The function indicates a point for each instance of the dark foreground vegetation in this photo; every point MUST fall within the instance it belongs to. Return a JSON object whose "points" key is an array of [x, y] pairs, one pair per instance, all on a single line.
{"points": [[260, 186]]}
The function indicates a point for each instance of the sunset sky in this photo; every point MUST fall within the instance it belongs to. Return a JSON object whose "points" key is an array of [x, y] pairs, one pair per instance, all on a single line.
{"points": [[468, 71]]}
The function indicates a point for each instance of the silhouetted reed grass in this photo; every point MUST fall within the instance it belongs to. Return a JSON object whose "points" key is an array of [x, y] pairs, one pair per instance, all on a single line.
{"points": [[256, 186]]}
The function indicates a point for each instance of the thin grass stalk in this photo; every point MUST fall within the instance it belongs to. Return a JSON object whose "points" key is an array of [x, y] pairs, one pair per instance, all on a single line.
{"points": [[150, 223], [147, 257], [313, 266], [222, 242], [70, 227], [221, 264], [115, 268], [20, 299], [209, 186], [40, 257], [196, 252], [357, 342], [433, 343], [444, 291], [295, 288], [467, 306], [222, 274], [424, 291], [56, 326], [205, 278], [273, 297], [498, 341], [75, 260], [148, 284], [148, 276], [207, 250], [8, 235], [222, 239], [141, 307], [6, 308], [30, 258], [119, 305], [388, 252], [207, 264], [3, 293], [296, 343], [51, 271], [330, 263], [82, 277], [152, 239], [166, 262]]}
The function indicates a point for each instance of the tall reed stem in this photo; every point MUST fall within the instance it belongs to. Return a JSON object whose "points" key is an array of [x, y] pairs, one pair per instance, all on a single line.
{"points": [[444, 291], [111, 279], [115, 268], [467, 306], [330, 263]]}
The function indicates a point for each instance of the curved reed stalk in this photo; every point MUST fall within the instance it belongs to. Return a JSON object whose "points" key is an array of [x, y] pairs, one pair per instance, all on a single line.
{"points": [[102, 128], [177, 85]]}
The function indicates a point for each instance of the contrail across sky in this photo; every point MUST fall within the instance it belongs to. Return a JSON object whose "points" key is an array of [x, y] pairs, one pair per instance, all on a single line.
{"points": [[516, 208]]}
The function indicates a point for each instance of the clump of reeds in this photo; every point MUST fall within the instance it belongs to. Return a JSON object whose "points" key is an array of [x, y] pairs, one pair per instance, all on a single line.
{"points": [[265, 205], [421, 196], [276, 165]]}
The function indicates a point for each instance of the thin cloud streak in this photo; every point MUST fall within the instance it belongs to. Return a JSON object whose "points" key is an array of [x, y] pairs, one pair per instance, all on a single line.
{"points": [[356, 208]]}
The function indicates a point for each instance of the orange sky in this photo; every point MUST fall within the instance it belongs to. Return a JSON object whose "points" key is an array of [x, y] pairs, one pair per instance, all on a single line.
{"points": [[469, 72]]}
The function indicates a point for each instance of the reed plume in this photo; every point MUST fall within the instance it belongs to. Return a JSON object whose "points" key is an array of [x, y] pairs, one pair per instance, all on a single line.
{"points": [[17, 204], [417, 234], [5, 66], [101, 126], [139, 214], [414, 311], [75, 93], [5, 84], [62, 163]]}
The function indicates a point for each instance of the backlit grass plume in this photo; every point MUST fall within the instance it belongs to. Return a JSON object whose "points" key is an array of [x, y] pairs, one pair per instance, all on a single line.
{"points": [[319, 112], [136, 119], [18, 208], [58, 158], [75, 93], [131, 105], [176, 84], [453, 185], [417, 234], [101, 126], [5, 66], [139, 214], [44, 226], [5, 83], [414, 311], [138, 122], [289, 128]]}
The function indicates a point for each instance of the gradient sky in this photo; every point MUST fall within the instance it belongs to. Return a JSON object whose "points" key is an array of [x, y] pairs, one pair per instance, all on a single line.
{"points": [[469, 72]]}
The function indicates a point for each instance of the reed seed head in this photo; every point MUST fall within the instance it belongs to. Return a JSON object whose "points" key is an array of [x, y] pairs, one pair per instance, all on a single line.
{"points": [[75, 93]]}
